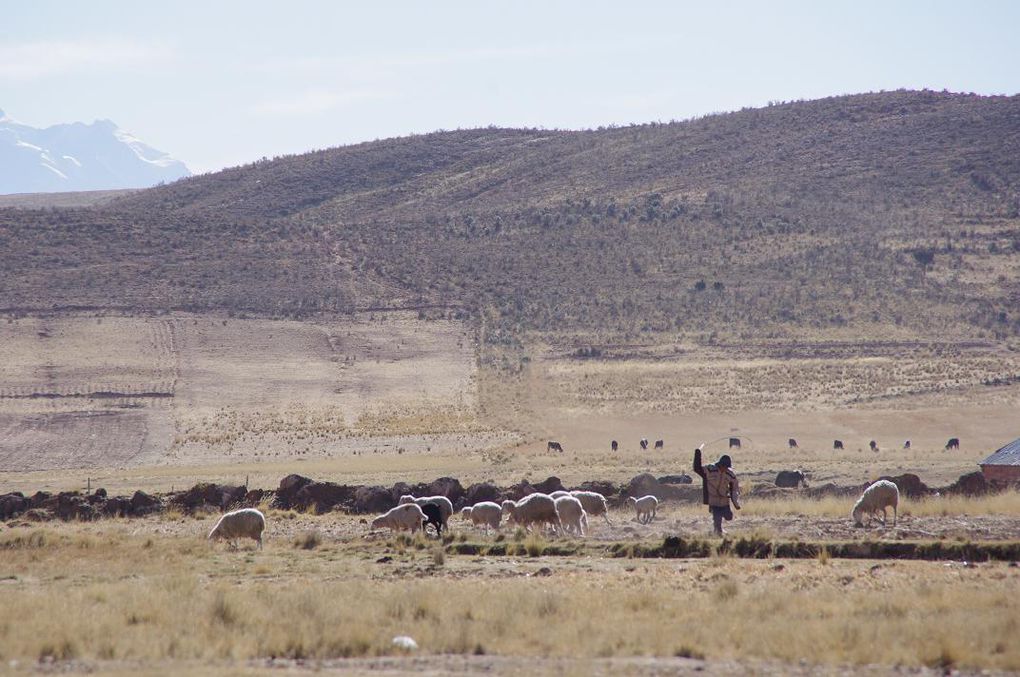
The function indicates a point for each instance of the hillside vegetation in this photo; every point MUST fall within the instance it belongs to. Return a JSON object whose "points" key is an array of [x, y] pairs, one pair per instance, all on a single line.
{"points": [[894, 213]]}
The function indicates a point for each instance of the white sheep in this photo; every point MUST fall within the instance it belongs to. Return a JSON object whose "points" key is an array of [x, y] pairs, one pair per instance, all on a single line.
{"points": [[486, 514], [532, 509], [243, 523], [557, 494], [445, 506], [879, 496], [405, 516], [645, 507], [570, 514], [594, 503]]}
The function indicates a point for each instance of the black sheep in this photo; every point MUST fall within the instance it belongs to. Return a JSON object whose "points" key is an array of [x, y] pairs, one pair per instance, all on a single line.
{"points": [[433, 516]]}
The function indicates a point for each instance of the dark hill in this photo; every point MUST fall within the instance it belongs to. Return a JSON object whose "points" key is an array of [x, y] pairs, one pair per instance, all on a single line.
{"points": [[892, 209]]}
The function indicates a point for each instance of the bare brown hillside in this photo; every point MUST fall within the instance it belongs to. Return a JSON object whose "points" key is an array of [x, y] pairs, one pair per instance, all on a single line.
{"points": [[897, 212]]}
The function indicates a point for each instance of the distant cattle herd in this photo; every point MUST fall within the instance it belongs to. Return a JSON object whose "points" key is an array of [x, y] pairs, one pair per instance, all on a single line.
{"points": [[735, 443]]}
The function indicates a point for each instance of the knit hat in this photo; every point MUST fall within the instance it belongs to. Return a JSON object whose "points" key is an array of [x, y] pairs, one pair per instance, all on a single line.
{"points": [[724, 461]]}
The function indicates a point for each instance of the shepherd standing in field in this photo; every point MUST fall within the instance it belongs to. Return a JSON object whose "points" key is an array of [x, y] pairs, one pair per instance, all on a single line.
{"points": [[719, 487]]}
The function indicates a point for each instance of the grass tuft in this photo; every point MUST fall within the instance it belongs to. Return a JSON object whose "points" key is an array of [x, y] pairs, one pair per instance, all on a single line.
{"points": [[309, 540]]}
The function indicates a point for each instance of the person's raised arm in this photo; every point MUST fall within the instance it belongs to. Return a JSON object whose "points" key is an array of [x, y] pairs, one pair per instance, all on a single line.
{"points": [[698, 468]]}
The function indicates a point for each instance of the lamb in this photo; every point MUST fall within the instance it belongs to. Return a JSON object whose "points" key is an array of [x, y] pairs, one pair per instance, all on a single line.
{"points": [[405, 516], [570, 514], [594, 503], [442, 501], [532, 509], [243, 523], [486, 514], [645, 507], [879, 496]]}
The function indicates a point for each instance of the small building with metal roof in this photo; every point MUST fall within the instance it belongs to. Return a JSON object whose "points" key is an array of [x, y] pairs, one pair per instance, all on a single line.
{"points": [[1003, 467]]}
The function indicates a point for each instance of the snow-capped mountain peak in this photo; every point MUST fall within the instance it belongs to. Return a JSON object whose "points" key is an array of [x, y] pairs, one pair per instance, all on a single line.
{"points": [[79, 156]]}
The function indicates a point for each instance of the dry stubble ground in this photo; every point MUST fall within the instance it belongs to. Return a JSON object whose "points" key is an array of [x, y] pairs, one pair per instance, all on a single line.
{"points": [[152, 594]]}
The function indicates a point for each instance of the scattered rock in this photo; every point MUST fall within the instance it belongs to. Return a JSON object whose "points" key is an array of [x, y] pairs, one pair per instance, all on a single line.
{"points": [[142, 503], [549, 485], [518, 491], [971, 484], [72, 506], [482, 491], [42, 499], [606, 488], [682, 478], [447, 486], [323, 497], [645, 484], [117, 506], [910, 485], [254, 497], [372, 500], [220, 496], [289, 486], [13, 504], [830, 489], [768, 491]]}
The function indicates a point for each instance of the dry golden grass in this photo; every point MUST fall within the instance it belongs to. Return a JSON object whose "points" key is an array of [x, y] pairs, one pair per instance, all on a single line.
{"points": [[1003, 504], [97, 592]]}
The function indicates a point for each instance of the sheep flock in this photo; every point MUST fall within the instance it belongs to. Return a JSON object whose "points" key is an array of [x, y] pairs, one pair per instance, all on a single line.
{"points": [[564, 513]]}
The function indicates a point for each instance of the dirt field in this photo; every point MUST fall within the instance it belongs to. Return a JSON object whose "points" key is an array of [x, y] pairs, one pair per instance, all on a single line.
{"points": [[116, 392]]}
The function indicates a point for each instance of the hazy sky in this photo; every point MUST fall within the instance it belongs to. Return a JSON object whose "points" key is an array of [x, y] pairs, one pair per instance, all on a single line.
{"points": [[219, 83]]}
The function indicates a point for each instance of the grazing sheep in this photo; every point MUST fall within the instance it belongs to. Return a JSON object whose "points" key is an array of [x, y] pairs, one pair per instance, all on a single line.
{"points": [[953, 443], [594, 503], [792, 443], [614, 445], [659, 444], [571, 516], [837, 444], [442, 501], [532, 509], [405, 516], [557, 494], [486, 513], [645, 507], [644, 443], [874, 445], [434, 516], [554, 446], [734, 442], [879, 496], [243, 523], [906, 445]]}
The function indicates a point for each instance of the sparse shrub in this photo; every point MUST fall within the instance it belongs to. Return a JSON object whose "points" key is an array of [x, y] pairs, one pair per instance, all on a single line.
{"points": [[687, 652], [308, 540], [535, 544]]}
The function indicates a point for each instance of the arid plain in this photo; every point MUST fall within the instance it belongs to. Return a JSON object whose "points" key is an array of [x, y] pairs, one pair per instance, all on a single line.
{"points": [[162, 403], [445, 305]]}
